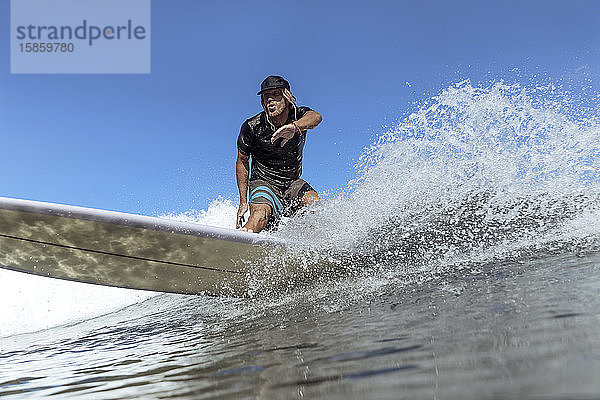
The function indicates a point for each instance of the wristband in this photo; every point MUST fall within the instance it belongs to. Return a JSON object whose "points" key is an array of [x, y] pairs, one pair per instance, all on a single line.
{"points": [[297, 127]]}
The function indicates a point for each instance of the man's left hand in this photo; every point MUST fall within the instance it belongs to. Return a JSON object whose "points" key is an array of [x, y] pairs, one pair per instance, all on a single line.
{"points": [[286, 132]]}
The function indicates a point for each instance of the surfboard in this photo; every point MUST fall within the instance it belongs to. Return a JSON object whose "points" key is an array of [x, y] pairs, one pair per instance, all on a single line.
{"points": [[127, 250]]}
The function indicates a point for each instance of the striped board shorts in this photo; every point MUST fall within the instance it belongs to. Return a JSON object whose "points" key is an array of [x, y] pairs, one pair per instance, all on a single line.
{"points": [[283, 203]]}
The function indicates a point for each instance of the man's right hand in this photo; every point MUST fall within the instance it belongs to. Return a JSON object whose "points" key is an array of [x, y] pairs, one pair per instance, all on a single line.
{"points": [[242, 209]]}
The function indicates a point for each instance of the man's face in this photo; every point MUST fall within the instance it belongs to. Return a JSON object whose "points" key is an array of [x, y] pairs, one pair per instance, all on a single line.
{"points": [[274, 102]]}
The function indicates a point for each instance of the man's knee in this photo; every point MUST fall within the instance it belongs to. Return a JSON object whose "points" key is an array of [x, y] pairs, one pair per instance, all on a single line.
{"points": [[261, 212], [309, 197]]}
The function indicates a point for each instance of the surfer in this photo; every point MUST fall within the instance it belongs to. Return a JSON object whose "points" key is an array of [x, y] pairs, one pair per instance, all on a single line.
{"points": [[274, 138]]}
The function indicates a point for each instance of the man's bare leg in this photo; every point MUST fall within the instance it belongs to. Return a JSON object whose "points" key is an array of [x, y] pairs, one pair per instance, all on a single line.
{"points": [[309, 197], [259, 216], [260, 213]]}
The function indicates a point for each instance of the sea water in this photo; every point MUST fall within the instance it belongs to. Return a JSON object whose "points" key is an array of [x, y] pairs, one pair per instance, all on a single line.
{"points": [[469, 269]]}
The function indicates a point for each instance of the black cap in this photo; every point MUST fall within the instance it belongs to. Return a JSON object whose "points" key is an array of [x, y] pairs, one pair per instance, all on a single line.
{"points": [[273, 82]]}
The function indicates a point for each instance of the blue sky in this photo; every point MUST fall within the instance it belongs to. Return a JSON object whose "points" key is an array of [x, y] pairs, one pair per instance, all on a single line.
{"points": [[165, 142]]}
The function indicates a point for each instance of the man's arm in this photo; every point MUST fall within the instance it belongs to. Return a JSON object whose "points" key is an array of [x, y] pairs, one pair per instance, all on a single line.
{"points": [[242, 173], [308, 121]]}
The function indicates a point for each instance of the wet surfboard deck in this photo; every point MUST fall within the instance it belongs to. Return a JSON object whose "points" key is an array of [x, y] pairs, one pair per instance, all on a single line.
{"points": [[127, 250]]}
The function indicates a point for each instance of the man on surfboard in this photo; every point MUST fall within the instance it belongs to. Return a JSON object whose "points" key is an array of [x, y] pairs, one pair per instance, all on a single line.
{"points": [[274, 138]]}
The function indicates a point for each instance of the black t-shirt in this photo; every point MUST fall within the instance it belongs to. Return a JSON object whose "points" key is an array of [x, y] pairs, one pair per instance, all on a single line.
{"points": [[271, 162]]}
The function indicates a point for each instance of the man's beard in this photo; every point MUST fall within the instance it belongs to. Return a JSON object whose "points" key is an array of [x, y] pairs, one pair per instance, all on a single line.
{"points": [[277, 112]]}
